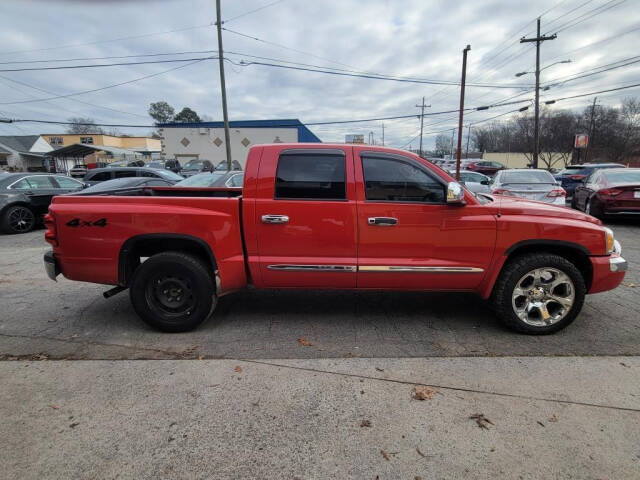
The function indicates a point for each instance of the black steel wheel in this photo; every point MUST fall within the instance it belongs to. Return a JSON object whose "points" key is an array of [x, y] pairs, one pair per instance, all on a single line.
{"points": [[173, 291], [18, 219]]}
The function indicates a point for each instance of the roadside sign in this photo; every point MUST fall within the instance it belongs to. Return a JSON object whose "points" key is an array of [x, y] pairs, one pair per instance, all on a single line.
{"points": [[354, 138], [581, 140]]}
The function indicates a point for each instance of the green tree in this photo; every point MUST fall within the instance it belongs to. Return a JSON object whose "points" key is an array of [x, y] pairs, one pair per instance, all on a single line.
{"points": [[187, 115], [161, 112]]}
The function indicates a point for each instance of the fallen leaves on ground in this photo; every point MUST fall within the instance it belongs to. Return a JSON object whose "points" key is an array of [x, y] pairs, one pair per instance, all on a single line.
{"points": [[304, 342], [384, 455], [189, 352], [630, 284], [481, 420], [365, 423], [423, 393], [55, 407], [624, 365], [540, 423], [420, 453], [380, 369], [553, 418], [238, 369]]}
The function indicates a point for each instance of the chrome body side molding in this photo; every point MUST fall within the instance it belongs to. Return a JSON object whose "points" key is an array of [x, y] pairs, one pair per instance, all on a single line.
{"points": [[399, 269], [371, 269], [313, 268]]}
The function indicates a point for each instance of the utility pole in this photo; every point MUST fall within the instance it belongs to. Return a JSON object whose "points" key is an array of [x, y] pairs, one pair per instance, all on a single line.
{"points": [[422, 106], [462, 85], [468, 138], [453, 132], [538, 39], [225, 116], [593, 113], [383, 134]]}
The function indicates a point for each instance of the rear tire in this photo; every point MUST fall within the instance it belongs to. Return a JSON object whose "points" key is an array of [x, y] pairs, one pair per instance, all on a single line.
{"points": [[18, 219], [173, 292], [512, 294]]}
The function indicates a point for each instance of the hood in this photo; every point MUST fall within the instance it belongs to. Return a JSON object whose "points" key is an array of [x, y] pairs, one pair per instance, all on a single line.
{"points": [[519, 206]]}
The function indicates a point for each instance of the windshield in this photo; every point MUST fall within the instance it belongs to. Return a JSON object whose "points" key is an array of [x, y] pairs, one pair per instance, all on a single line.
{"points": [[113, 184], [193, 165], [169, 175], [627, 176], [572, 170], [155, 164], [200, 180], [533, 176]]}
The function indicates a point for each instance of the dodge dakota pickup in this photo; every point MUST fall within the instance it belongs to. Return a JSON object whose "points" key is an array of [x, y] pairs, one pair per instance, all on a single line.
{"points": [[333, 217]]}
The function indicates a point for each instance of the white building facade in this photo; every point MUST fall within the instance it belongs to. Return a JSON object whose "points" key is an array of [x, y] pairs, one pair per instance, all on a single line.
{"points": [[205, 140]]}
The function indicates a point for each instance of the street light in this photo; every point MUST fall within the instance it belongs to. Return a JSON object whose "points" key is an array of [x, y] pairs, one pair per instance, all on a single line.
{"points": [[519, 74]]}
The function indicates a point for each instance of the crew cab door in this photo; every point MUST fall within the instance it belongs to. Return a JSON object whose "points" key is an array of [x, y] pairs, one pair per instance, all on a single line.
{"points": [[305, 217], [409, 238]]}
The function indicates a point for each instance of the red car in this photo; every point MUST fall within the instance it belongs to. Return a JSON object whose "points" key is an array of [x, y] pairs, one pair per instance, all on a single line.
{"points": [[485, 167], [612, 191], [322, 216]]}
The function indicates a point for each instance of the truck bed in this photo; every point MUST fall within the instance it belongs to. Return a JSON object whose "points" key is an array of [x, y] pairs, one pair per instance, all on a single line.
{"points": [[92, 230]]}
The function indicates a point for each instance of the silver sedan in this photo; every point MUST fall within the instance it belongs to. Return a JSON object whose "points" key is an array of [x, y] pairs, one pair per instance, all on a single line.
{"points": [[532, 184]]}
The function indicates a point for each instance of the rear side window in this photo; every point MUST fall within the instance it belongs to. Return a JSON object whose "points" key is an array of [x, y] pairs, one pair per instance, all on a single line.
{"points": [[390, 180], [311, 176], [149, 173]]}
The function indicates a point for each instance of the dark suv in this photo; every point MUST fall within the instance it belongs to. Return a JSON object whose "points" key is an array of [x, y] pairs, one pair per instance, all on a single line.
{"points": [[574, 175], [196, 166], [485, 167], [109, 173]]}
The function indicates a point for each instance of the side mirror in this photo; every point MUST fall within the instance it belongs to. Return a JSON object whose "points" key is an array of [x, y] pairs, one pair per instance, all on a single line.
{"points": [[455, 194], [484, 182]]}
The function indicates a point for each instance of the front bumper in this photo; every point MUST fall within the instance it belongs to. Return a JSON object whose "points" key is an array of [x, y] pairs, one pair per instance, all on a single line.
{"points": [[51, 265]]}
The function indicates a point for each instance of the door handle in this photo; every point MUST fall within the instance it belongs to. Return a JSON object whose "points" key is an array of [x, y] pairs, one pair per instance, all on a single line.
{"points": [[382, 221], [278, 219]]}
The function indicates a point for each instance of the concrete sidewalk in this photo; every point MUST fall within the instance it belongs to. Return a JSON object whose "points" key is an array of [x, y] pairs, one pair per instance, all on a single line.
{"points": [[559, 417]]}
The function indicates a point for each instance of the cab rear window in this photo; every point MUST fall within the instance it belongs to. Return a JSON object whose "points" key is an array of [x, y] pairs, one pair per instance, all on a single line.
{"points": [[311, 176]]}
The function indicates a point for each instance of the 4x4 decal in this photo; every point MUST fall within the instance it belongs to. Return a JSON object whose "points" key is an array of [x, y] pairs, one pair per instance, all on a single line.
{"points": [[76, 222]]}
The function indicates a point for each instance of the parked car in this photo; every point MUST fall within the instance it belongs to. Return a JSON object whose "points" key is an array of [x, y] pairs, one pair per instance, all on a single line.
{"points": [[215, 179], [334, 216], [126, 163], [124, 186], [104, 174], [222, 166], [193, 167], [171, 164], [25, 197], [532, 184], [574, 175], [79, 170], [474, 181], [610, 191], [485, 167]]}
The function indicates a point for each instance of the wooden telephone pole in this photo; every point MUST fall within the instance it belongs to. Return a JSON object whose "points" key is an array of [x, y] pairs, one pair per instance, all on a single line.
{"points": [[462, 85], [422, 106], [538, 39], [225, 116]]}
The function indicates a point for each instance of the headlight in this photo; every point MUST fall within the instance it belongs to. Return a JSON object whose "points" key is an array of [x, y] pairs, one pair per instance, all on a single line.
{"points": [[609, 240]]}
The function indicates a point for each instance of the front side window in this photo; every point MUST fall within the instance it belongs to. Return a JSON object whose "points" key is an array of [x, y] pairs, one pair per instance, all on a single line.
{"points": [[311, 176], [98, 177], [391, 180], [125, 173]]}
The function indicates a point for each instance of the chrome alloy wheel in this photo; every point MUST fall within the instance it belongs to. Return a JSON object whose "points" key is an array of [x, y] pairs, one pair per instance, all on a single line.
{"points": [[543, 296]]}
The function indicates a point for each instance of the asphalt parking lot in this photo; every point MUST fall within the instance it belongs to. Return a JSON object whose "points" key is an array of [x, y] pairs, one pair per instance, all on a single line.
{"points": [[43, 319]]}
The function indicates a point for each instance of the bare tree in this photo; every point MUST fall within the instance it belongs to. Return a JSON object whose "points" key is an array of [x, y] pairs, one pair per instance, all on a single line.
{"points": [[83, 125], [443, 144]]}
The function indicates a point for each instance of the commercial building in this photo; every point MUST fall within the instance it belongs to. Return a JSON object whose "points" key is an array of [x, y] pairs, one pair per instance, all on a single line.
{"points": [[205, 140], [138, 144]]}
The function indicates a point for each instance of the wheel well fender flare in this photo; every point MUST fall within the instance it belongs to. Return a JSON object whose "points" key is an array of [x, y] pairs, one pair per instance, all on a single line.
{"points": [[141, 245]]}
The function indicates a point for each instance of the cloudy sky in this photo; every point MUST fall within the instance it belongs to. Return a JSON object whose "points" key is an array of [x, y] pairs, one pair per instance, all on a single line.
{"points": [[417, 40]]}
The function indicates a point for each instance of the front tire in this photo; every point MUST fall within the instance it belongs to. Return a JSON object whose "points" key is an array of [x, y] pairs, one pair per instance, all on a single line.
{"points": [[173, 292], [539, 293], [18, 219]]}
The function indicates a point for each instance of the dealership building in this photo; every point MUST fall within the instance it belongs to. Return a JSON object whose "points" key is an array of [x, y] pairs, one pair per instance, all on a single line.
{"points": [[205, 140]]}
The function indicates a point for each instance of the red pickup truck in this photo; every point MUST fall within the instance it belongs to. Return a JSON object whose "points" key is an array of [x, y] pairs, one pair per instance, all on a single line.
{"points": [[333, 217]]}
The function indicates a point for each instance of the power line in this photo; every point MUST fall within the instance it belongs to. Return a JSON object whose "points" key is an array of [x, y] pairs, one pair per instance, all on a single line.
{"points": [[72, 99], [141, 55], [99, 65], [102, 88], [584, 17], [130, 37], [601, 69], [253, 11]]}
